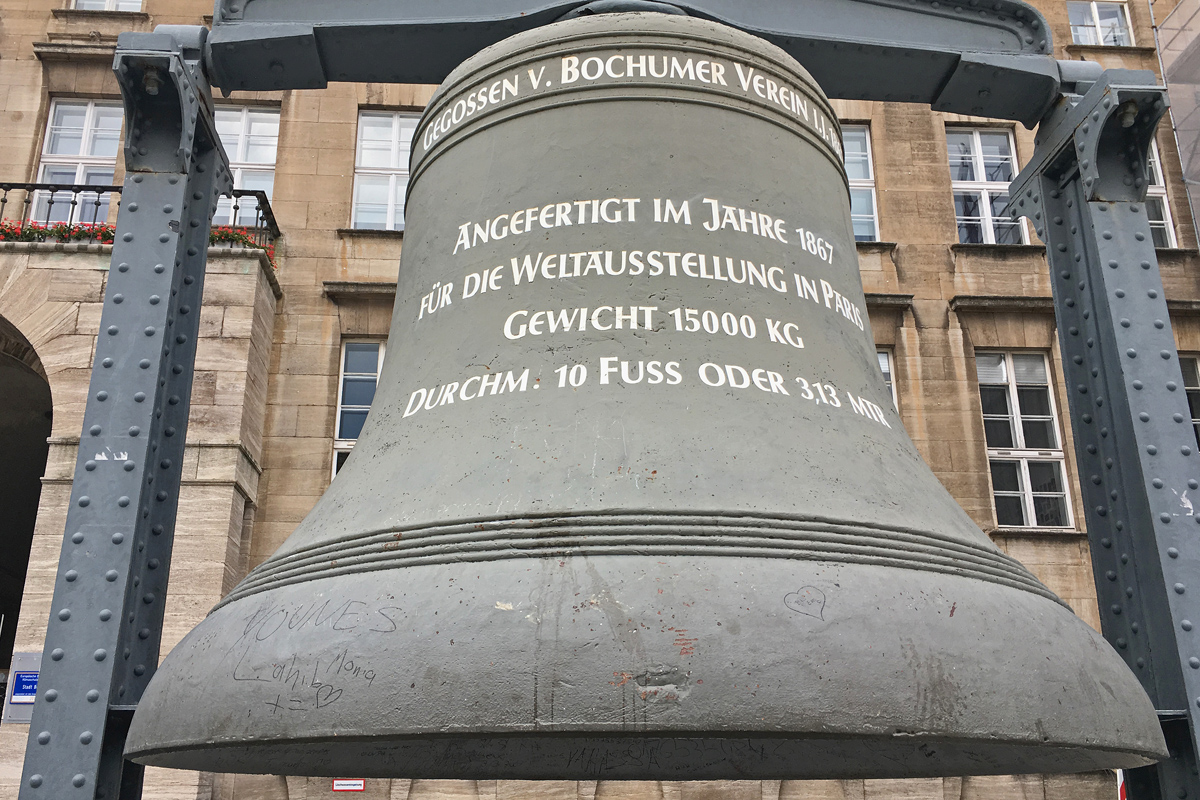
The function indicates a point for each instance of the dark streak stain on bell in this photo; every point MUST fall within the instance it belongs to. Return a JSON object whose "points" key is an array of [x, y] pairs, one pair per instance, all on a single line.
{"points": [[633, 501]]}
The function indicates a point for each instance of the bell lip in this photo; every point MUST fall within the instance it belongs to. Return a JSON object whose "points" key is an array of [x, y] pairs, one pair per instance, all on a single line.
{"points": [[456, 761]]}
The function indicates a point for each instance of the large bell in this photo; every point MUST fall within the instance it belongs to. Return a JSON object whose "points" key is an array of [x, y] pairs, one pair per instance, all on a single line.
{"points": [[633, 500]]}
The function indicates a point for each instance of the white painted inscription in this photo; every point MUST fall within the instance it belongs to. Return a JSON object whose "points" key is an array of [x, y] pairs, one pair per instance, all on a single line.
{"points": [[729, 78]]}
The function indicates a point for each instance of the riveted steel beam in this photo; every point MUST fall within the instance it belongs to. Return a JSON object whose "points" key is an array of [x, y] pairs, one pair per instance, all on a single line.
{"points": [[991, 59], [106, 622], [1139, 471]]}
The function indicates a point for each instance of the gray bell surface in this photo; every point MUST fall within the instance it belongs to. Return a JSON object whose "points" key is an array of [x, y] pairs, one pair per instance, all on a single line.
{"points": [[633, 501]]}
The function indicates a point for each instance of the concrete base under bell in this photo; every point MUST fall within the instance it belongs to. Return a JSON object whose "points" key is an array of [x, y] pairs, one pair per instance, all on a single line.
{"points": [[1085, 786]]}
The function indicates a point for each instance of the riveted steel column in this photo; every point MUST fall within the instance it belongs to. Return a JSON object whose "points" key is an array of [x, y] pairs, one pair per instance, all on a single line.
{"points": [[106, 621], [1135, 448]]}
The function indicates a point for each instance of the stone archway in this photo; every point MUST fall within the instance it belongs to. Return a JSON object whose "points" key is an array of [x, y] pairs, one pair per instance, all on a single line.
{"points": [[25, 418]]}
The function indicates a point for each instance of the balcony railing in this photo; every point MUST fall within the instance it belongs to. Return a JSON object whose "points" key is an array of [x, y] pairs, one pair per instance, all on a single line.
{"points": [[40, 207], [48, 211]]}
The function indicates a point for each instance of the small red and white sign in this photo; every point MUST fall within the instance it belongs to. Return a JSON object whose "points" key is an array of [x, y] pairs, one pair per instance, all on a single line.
{"points": [[349, 784]]}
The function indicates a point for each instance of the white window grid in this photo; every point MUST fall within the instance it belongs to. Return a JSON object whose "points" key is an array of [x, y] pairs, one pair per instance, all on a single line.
{"points": [[1158, 208], [354, 378], [860, 171], [984, 177], [1031, 463], [887, 367], [381, 170], [1100, 23], [250, 136], [80, 147], [107, 5]]}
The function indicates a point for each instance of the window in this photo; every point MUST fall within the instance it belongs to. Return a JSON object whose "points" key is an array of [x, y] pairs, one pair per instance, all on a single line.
{"points": [[856, 143], [361, 363], [1191, 383], [885, 366], [1100, 23], [1023, 443], [250, 137], [381, 170], [82, 139], [1162, 231], [982, 165], [108, 5]]}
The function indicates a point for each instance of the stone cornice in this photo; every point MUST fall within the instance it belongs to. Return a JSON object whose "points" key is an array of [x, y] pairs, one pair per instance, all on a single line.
{"points": [[889, 300], [1001, 303], [341, 291]]}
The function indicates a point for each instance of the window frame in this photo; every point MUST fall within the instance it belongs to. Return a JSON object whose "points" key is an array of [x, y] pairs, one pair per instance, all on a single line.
{"points": [[239, 166], [867, 183], [1156, 189], [81, 162], [986, 189], [345, 445], [1192, 390], [394, 219], [111, 6], [889, 378], [1098, 30], [1022, 454]]}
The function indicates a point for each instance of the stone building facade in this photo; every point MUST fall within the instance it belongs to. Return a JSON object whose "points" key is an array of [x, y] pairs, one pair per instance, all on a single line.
{"points": [[952, 294]]}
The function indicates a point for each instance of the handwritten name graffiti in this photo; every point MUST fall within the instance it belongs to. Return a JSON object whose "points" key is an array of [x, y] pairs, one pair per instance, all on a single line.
{"points": [[309, 681], [807, 600], [313, 684]]}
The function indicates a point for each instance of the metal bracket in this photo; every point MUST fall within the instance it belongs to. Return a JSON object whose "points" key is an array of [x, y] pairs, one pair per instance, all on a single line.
{"points": [[1135, 448], [103, 637]]}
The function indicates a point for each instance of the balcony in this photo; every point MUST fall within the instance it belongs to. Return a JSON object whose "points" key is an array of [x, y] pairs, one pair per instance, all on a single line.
{"points": [[41, 212]]}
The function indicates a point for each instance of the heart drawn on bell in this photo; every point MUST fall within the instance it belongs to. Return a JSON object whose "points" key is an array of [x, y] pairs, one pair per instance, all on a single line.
{"points": [[807, 600]]}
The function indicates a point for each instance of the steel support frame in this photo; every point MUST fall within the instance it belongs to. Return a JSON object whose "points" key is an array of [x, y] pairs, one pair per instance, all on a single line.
{"points": [[1084, 192], [102, 641]]}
